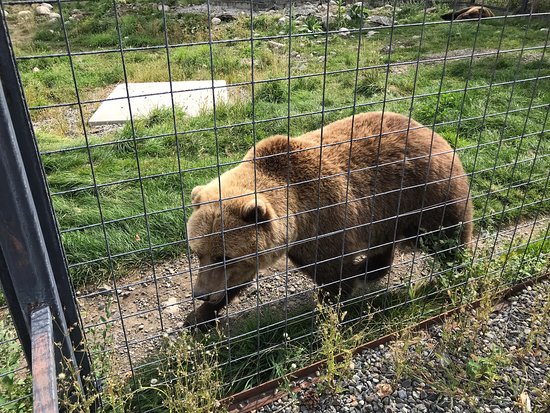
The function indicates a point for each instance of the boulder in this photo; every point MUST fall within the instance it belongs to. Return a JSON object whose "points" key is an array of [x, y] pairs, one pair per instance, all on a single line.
{"points": [[381, 20], [42, 10]]}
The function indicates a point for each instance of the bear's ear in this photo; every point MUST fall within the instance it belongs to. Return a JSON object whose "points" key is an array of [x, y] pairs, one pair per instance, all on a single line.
{"points": [[256, 209], [195, 195]]}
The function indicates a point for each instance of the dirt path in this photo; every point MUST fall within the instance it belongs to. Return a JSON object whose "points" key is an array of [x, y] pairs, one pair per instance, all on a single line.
{"points": [[142, 302]]}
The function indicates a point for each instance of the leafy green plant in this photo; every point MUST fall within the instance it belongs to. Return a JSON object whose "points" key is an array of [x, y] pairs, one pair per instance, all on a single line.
{"points": [[15, 386], [358, 13], [340, 13], [336, 346], [311, 24], [192, 377]]}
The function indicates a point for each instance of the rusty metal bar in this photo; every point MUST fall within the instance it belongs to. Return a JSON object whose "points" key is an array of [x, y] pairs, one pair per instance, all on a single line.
{"points": [[257, 397], [44, 383]]}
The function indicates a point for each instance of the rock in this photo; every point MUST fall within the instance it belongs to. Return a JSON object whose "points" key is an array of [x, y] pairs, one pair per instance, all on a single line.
{"points": [[24, 14], [35, 69], [344, 32], [42, 11], [431, 9], [54, 16], [163, 7], [283, 20], [226, 17], [275, 45], [381, 20], [371, 33], [216, 21]]}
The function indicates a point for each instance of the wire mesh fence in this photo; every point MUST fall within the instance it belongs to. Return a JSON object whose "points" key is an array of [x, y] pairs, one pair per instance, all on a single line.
{"points": [[353, 201]]}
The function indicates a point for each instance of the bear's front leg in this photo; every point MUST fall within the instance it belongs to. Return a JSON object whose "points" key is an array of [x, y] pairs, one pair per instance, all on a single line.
{"points": [[206, 314]]}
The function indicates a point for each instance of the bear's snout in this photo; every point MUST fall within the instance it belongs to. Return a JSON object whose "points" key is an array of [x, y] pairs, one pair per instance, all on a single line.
{"points": [[201, 295]]}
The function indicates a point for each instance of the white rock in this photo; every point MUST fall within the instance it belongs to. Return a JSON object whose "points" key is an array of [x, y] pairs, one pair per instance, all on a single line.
{"points": [[160, 7], [283, 20], [48, 5], [344, 31], [42, 11], [275, 45], [54, 16], [35, 69], [216, 21]]}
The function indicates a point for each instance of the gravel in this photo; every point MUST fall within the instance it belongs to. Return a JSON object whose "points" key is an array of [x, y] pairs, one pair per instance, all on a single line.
{"points": [[519, 383]]}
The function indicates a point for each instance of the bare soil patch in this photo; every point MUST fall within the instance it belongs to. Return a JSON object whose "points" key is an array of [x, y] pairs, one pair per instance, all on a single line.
{"points": [[147, 305]]}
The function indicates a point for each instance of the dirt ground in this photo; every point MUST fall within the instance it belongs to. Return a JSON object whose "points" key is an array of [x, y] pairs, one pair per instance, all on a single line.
{"points": [[146, 304]]}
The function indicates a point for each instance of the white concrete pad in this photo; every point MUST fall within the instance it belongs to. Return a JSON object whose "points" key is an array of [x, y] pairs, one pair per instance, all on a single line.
{"points": [[145, 97]]}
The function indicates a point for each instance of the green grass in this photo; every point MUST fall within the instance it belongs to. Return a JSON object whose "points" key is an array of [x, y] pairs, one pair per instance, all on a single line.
{"points": [[15, 385], [158, 156]]}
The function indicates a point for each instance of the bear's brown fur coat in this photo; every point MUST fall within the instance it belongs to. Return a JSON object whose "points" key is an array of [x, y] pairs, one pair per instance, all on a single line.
{"points": [[360, 207], [469, 13]]}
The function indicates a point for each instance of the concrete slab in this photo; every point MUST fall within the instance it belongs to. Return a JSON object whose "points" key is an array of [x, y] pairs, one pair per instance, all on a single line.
{"points": [[145, 97]]}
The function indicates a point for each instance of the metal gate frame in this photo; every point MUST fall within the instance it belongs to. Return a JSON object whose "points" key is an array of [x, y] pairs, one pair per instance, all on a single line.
{"points": [[33, 269]]}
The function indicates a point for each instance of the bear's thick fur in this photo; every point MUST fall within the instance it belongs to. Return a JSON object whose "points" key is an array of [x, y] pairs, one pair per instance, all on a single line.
{"points": [[469, 13], [400, 180]]}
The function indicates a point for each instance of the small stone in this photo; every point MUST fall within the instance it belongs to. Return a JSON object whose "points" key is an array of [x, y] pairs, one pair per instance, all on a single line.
{"points": [[344, 32], [35, 69], [216, 21], [275, 45], [402, 394], [54, 16], [47, 5], [163, 7], [141, 327], [283, 20]]}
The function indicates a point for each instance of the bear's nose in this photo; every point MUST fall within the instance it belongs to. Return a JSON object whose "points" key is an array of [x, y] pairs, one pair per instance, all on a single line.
{"points": [[200, 295]]}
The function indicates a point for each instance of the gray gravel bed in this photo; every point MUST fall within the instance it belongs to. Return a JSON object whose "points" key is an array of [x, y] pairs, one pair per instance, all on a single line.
{"points": [[516, 379]]}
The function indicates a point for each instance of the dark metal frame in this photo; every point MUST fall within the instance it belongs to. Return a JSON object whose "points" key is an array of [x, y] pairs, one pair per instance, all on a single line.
{"points": [[33, 269]]}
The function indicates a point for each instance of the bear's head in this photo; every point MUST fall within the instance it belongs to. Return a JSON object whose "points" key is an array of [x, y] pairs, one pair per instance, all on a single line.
{"points": [[232, 239]]}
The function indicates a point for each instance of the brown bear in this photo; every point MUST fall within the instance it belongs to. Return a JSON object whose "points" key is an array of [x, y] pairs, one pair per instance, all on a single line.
{"points": [[469, 13], [326, 199]]}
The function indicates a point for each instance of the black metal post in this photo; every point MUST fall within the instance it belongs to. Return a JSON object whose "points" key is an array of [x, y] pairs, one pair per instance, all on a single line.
{"points": [[33, 269]]}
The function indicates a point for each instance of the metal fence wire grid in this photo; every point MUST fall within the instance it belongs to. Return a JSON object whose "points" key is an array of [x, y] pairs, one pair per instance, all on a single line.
{"points": [[200, 197]]}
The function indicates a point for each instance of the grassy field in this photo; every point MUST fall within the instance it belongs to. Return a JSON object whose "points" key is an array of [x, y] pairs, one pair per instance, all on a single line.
{"points": [[492, 108]]}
